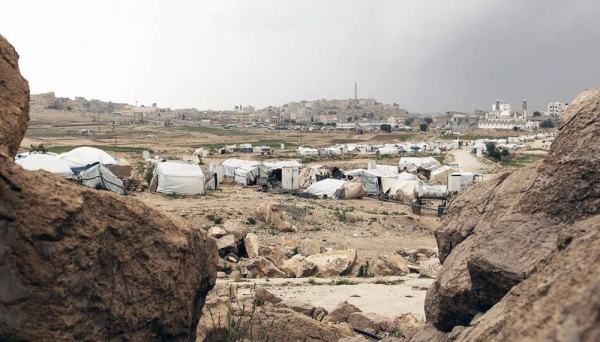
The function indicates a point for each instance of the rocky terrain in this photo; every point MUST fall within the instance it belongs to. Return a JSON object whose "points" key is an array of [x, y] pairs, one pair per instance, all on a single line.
{"points": [[519, 254], [78, 264]]}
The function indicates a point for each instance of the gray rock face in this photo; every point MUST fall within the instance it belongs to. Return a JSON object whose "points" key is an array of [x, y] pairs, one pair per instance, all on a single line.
{"points": [[499, 233]]}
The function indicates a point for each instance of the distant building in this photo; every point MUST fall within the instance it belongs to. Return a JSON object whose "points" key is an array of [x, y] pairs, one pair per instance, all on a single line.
{"points": [[463, 122], [501, 117], [557, 108]]}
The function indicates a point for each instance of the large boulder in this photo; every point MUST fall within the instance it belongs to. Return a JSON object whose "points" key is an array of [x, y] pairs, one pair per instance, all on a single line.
{"points": [[14, 100], [390, 264], [270, 214], [215, 322], [261, 267], [79, 263], [369, 321], [236, 228], [291, 265], [252, 245], [340, 313], [496, 234], [264, 296], [76, 263], [334, 263], [272, 252], [308, 248], [297, 305]]}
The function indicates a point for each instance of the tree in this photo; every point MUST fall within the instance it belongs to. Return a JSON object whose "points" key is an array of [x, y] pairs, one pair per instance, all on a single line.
{"points": [[537, 113], [312, 118], [349, 119], [386, 128], [428, 120], [492, 151], [409, 121], [546, 124], [515, 128], [423, 127]]}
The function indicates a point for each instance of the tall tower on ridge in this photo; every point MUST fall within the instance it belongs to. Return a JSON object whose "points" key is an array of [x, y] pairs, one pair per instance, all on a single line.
{"points": [[355, 91]]}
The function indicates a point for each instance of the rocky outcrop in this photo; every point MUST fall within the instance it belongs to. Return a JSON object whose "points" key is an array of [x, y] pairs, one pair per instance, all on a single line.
{"points": [[340, 313], [389, 265], [14, 100], [76, 263], [500, 244], [270, 214]]}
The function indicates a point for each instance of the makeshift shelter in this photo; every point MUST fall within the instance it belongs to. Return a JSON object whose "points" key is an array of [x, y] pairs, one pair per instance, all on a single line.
{"points": [[179, 178], [99, 177], [399, 189], [411, 164], [121, 169], [336, 188], [305, 151], [391, 150], [82, 158], [313, 174], [50, 163], [230, 165], [407, 176], [441, 174], [246, 174], [370, 179]]}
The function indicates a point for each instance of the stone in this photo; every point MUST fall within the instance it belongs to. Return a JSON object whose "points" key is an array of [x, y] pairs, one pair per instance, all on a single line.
{"points": [[499, 234], [290, 266], [308, 248], [227, 244], [421, 257], [14, 100], [261, 267], [390, 264], [272, 253], [261, 294], [340, 313], [306, 269], [297, 305], [284, 324], [269, 213], [236, 228], [334, 263], [319, 313], [215, 320], [430, 267], [289, 252], [287, 241], [407, 324], [252, 245], [221, 275], [90, 264], [369, 321], [216, 232]]}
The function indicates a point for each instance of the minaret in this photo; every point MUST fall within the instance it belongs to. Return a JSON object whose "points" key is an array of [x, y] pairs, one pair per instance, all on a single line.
{"points": [[498, 104], [524, 108], [355, 92]]}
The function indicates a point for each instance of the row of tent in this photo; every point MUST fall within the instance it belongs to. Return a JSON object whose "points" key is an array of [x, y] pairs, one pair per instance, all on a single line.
{"points": [[89, 165], [383, 149]]}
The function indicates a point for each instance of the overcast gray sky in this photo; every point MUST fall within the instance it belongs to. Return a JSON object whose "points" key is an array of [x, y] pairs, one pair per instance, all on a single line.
{"points": [[427, 55]]}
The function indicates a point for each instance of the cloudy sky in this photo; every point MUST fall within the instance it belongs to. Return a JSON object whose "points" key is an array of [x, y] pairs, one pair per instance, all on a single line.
{"points": [[427, 55]]}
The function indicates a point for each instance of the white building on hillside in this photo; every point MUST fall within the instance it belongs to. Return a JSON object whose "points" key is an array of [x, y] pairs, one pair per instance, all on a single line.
{"points": [[557, 108], [501, 117]]}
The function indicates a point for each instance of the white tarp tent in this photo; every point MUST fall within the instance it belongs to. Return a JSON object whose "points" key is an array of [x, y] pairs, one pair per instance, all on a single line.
{"points": [[82, 157], [50, 163], [179, 178], [370, 179], [99, 177], [399, 189], [413, 163], [312, 174], [230, 165], [305, 151], [441, 174], [246, 174], [407, 176], [337, 188]]}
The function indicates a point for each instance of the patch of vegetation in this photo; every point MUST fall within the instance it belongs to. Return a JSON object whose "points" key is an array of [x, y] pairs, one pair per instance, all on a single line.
{"points": [[425, 275], [520, 161], [63, 149], [345, 282], [149, 174], [312, 281], [215, 130], [390, 282], [214, 219], [440, 158], [38, 149], [363, 271], [251, 220]]}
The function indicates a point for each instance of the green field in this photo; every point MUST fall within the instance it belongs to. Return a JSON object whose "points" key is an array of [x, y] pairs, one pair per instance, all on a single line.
{"points": [[520, 161], [63, 149], [406, 137], [215, 130]]}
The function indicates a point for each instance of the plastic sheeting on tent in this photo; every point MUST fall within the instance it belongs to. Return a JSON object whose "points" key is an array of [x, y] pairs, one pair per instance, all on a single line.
{"points": [[50, 163], [179, 178], [82, 158], [246, 174], [441, 174], [337, 188], [312, 174], [407, 176], [99, 177], [388, 151], [370, 179], [399, 189], [413, 163]]}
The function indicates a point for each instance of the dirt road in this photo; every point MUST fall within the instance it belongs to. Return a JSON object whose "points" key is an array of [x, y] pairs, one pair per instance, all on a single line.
{"points": [[467, 161]]}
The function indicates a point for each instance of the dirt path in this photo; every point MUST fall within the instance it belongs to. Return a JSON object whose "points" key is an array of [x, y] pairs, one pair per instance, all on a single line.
{"points": [[467, 161]]}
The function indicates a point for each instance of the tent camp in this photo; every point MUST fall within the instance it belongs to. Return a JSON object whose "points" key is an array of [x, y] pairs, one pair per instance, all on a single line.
{"points": [[50, 163], [441, 174], [82, 158], [336, 188], [99, 177], [179, 178]]}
